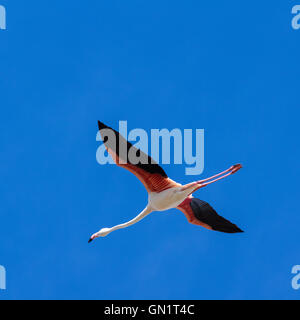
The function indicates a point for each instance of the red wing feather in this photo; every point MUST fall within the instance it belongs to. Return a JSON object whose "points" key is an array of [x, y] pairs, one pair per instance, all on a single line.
{"points": [[186, 208]]}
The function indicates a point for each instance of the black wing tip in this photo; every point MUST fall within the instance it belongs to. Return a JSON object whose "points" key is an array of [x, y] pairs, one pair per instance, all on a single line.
{"points": [[101, 125], [237, 230], [228, 229], [232, 228], [205, 213]]}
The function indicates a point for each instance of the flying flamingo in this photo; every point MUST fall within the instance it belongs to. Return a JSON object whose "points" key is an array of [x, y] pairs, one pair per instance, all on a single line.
{"points": [[164, 193]]}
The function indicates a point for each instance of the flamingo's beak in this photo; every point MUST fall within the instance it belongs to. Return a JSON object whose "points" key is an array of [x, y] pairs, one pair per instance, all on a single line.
{"points": [[92, 238]]}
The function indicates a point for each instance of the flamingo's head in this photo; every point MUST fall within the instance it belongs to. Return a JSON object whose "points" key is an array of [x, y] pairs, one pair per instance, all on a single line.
{"points": [[102, 233]]}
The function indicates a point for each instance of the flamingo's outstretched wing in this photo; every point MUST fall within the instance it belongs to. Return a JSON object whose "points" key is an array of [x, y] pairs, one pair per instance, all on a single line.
{"points": [[146, 170], [201, 213]]}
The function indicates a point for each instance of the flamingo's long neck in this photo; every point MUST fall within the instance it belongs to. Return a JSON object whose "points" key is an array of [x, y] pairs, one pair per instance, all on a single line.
{"points": [[139, 217]]}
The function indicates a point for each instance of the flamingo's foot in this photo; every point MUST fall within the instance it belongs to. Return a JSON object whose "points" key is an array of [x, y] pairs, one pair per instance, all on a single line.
{"points": [[236, 168]]}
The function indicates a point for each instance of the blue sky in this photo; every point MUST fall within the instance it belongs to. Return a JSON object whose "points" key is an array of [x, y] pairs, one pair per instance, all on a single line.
{"points": [[229, 67]]}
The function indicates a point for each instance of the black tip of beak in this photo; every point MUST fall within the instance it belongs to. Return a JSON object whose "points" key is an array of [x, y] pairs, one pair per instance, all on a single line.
{"points": [[90, 240]]}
